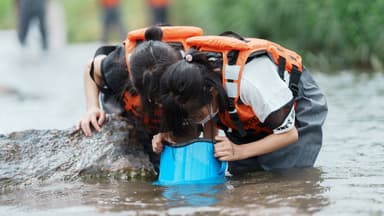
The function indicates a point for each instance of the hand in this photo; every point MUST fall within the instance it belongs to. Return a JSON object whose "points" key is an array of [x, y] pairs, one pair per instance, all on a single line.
{"points": [[95, 117], [225, 150], [158, 139]]}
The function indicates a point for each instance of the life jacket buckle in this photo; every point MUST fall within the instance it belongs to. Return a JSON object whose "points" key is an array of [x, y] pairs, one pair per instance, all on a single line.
{"points": [[294, 88], [294, 80], [236, 121]]}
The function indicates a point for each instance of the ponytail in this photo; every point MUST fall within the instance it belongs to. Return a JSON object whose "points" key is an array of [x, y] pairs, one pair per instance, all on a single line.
{"points": [[186, 87], [153, 33]]}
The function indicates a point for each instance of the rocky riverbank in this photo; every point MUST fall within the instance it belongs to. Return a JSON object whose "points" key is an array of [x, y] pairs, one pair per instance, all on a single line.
{"points": [[34, 156]]}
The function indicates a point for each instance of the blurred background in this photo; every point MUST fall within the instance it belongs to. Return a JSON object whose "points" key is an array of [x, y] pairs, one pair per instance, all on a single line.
{"points": [[330, 34]]}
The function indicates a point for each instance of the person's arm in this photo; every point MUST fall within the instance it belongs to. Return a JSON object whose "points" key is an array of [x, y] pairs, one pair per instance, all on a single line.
{"points": [[272, 106], [158, 140], [225, 150], [281, 122], [94, 115]]}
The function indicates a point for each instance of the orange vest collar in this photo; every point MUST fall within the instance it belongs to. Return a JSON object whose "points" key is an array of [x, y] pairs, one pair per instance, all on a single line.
{"points": [[217, 43], [170, 33]]}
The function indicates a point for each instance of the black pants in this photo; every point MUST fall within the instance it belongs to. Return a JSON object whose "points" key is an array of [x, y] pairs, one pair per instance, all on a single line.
{"points": [[247, 165], [112, 18], [28, 11], [159, 15]]}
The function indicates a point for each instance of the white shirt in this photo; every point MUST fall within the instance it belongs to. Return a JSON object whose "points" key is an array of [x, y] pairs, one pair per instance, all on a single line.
{"points": [[262, 88]]}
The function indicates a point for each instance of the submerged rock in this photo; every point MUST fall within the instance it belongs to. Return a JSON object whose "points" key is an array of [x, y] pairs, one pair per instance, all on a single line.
{"points": [[35, 155]]}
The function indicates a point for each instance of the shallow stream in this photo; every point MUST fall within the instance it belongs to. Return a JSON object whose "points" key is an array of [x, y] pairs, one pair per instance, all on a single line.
{"points": [[44, 90]]}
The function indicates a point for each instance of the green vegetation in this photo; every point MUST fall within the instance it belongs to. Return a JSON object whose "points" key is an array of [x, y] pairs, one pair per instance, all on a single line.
{"points": [[7, 13], [329, 34], [84, 18]]}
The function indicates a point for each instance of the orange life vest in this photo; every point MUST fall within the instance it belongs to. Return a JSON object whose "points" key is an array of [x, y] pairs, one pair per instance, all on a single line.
{"points": [[158, 3], [132, 104], [285, 59], [110, 3], [171, 34]]}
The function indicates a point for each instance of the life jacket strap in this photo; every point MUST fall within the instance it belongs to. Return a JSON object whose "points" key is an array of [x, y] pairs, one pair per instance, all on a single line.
{"points": [[294, 80], [281, 67], [236, 121], [231, 77], [294, 76], [234, 116]]}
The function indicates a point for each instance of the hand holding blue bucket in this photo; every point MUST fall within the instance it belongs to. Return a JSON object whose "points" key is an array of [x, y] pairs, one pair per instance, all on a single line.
{"points": [[191, 163]]}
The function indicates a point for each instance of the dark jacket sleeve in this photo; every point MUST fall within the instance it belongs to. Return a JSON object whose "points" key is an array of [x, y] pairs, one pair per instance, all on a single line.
{"points": [[114, 71]]}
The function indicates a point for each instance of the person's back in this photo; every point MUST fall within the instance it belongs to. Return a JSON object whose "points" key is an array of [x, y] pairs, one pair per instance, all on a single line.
{"points": [[264, 130], [148, 54]]}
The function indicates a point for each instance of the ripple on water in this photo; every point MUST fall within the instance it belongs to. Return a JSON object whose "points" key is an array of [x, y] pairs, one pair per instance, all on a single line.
{"points": [[348, 179]]}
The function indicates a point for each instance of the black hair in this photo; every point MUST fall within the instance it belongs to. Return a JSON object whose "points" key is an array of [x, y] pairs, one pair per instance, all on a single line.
{"points": [[153, 33], [186, 87], [147, 63]]}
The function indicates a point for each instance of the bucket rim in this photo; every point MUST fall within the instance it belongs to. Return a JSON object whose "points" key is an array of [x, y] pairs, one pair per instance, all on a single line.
{"points": [[178, 145]]}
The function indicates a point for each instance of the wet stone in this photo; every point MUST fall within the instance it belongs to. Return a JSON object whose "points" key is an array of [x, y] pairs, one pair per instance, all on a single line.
{"points": [[32, 156]]}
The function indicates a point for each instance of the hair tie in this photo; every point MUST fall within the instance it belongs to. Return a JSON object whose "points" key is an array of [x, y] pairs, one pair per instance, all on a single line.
{"points": [[151, 51], [188, 58]]}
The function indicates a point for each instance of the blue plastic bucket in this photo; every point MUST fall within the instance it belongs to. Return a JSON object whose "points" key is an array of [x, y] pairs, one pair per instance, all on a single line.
{"points": [[191, 163]]}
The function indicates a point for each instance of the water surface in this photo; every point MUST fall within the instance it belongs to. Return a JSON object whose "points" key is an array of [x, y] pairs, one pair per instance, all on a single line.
{"points": [[44, 90]]}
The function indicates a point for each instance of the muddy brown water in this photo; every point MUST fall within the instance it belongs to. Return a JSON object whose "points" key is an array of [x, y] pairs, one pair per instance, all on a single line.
{"points": [[44, 90]]}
